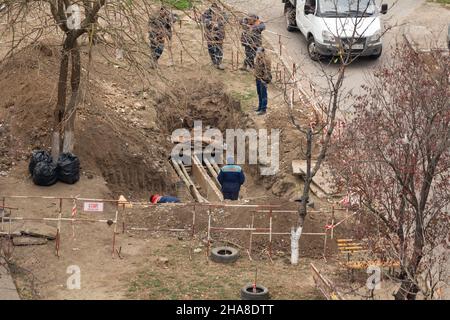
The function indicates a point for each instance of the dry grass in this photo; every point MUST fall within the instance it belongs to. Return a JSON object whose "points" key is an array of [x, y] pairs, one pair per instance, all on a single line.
{"points": [[200, 278]]}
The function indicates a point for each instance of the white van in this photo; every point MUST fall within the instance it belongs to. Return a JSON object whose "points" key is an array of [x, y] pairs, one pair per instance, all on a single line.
{"points": [[335, 26]]}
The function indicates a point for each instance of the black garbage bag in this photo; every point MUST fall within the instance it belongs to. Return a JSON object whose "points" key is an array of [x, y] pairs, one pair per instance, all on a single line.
{"points": [[68, 168], [38, 156], [44, 174]]}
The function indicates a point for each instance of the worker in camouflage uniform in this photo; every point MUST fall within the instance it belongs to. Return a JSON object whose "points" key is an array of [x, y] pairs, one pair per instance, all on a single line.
{"points": [[214, 20], [251, 39], [160, 29]]}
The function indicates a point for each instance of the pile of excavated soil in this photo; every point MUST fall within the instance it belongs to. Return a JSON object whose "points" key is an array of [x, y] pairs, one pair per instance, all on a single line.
{"points": [[106, 144], [188, 103], [122, 134]]}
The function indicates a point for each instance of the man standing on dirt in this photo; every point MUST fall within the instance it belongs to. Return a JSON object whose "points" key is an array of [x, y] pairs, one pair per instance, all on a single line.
{"points": [[214, 20], [251, 39], [231, 178], [160, 28], [263, 75]]}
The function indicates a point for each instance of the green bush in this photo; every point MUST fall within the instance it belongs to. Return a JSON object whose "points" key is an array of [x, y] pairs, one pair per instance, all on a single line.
{"points": [[179, 4]]}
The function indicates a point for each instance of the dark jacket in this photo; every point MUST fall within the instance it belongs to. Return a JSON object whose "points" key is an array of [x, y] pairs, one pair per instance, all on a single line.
{"points": [[214, 22], [231, 177], [263, 68], [160, 27], [251, 35], [168, 199]]}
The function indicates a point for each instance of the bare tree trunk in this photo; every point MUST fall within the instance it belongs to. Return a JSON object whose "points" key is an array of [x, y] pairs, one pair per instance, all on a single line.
{"points": [[61, 102], [296, 233], [69, 128], [408, 289], [64, 116]]}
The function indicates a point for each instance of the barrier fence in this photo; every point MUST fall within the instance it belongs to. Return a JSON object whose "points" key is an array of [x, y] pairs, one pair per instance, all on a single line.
{"points": [[118, 207], [89, 205]]}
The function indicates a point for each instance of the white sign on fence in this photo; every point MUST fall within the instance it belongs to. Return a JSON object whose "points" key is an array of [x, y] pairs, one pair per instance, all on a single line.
{"points": [[93, 206]]}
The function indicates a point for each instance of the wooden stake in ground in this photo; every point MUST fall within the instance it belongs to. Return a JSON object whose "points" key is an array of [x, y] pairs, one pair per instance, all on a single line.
{"points": [[270, 235], [209, 233], [256, 279], [251, 237], [332, 222], [232, 59], [281, 45], [115, 230], [58, 230], [325, 244]]}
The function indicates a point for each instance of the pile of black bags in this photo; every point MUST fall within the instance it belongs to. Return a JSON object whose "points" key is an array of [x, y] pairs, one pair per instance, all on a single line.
{"points": [[46, 173], [68, 168]]}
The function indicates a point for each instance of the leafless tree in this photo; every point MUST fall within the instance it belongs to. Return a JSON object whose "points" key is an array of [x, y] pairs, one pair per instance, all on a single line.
{"points": [[395, 157], [319, 131]]}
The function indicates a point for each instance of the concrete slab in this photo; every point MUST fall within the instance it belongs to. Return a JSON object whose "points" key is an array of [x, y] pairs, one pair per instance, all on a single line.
{"points": [[29, 241], [40, 231], [8, 290], [322, 184], [421, 38]]}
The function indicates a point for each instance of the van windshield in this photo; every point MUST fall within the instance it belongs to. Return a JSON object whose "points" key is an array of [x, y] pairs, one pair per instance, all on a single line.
{"points": [[346, 8]]}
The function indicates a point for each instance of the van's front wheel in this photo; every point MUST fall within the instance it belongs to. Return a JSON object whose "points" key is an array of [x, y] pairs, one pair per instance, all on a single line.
{"points": [[312, 49], [376, 56]]}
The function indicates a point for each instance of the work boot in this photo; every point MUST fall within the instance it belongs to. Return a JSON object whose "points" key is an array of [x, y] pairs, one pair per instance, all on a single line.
{"points": [[261, 112]]}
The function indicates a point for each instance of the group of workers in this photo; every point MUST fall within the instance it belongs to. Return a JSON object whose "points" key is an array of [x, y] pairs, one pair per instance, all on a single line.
{"points": [[231, 177], [214, 20]]}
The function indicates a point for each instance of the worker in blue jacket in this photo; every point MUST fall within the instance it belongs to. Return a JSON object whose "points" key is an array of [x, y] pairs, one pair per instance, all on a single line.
{"points": [[231, 178]]}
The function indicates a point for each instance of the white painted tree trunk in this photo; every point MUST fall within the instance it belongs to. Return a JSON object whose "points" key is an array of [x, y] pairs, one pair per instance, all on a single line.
{"points": [[69, 141], [56, 138], [295, 238]]}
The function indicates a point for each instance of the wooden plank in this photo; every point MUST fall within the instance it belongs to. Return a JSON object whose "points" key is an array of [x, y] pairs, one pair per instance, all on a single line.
{"points": [[212, 171], [216, 167], [364, 264], [186, 174], [187, 180], [350, 247], [325, 285], [202, 178], [353, 251], [350, 244]]}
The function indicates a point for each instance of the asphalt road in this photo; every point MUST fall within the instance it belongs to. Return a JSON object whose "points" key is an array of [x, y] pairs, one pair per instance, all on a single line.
{"points": [[401, 15]]}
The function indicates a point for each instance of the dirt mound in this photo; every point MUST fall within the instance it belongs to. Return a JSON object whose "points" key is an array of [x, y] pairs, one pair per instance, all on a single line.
{"points": [[163, 218], [198, 99], [106, 144], [123, 133]]}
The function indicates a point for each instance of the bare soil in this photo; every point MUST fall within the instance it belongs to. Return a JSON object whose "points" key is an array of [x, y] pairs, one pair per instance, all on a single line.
{"points": [[124, 125], [39, 274]]}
